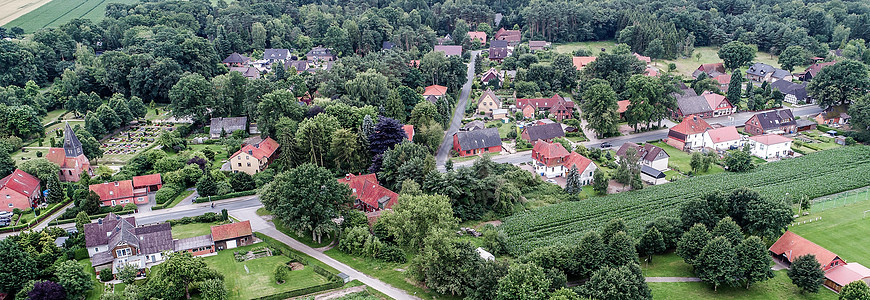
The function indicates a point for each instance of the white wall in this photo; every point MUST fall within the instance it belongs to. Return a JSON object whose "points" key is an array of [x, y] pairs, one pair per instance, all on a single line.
{"points": [[769, 151]]}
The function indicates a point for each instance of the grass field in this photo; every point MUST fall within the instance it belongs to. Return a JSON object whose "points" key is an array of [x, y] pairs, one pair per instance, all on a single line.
{"points": [[666, 265], [59, 12], [98, 290], [52, 115], [250, 278], [683, 161], [191, 230], [779, 287], [842, 230]]}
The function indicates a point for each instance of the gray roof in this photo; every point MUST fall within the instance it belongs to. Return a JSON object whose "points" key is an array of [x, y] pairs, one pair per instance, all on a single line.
{"points": [[474, 125], [652, 172], [72, 147], [155, 238], [498, 53], [387, 45], [693, 105], [59, 241], [780, 73], [448, 49], [545, 132], [646, 152], [102, 258], [775, 119], [321, 53], [123, 233], [805, 122], [790, 88], [498, 44], [477, 139], [760, 69], [228, 125], [432, 99], [193, 242], [95, 233], [281, 54], [235, 58]]}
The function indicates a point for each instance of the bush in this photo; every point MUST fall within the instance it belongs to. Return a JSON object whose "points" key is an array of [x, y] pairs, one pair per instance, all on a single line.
{"points": [[281, 273], [106, 275], [391, 253], [166, 194]]}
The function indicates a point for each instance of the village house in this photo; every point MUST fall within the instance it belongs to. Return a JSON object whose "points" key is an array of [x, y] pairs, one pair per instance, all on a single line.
{"points": [[488, 102], [622, 108], [646, 59], [792, 92], [499, 44], [544, 132], [688, 134], [760, 72], [368, 194], [813, 70], [723, 81], [273, 56], [229, 236], [706, 105], [409, 131], [19, 190], [580, 62], [477, 142], [320, 53], [838, 273], [498, 54], [513, 37], [247, 72], [151, 183], [436, 91], [492, 77], [119, 193], [448, 50], [770, 146], [833, 115], [473, 125], [478, 36], [557, 106], [722, 138], [236, 60], [712, 70], [254, 158], [225, 126], [651, 175], [538, 45], [649, 155], [772, 122], [71, 158], [553, 160]]}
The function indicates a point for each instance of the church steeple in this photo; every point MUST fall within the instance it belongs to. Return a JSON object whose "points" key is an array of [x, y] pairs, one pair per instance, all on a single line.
{"points": [[72, 147]]}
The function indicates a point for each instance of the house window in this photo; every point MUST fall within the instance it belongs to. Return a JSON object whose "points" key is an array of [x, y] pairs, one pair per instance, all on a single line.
{"points": [[123, 252], [10, 204], [249, 164], [7, 196]]}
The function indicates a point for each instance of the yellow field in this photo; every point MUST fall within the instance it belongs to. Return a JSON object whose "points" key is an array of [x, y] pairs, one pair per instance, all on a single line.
{"points": [[12, 9]]}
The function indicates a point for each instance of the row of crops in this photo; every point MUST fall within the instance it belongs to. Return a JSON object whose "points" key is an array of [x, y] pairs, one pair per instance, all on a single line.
{"points": [[814, 175]]}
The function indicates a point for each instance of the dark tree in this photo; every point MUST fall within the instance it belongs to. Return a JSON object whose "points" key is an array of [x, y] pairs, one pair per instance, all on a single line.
{"points": [[692, 242], [18, 266], [46, 290], [241, 181], [839, 84], [753, 261], [716, 264], [387, 133], [621, 250], [670, 228], [651, 243], [728, 229], [806, 273]]}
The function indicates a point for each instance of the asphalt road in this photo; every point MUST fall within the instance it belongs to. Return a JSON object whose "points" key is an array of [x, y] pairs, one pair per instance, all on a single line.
{"points": [[458, 115]]}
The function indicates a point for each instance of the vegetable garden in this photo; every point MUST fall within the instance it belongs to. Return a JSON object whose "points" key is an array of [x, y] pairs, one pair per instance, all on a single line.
{"points": [[814, 175]]}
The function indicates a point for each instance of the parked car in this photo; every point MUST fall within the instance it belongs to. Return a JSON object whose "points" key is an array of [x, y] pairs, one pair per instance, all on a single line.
{"points": [[5, 214], [606, 145], [553, 181]]}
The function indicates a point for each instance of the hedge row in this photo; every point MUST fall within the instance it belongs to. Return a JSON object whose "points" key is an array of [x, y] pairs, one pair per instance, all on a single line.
{"points": [[44, 215], [227, 196]]}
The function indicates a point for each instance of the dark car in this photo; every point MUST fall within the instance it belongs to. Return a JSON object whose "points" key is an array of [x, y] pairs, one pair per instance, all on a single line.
{"points": [[606, 145]]}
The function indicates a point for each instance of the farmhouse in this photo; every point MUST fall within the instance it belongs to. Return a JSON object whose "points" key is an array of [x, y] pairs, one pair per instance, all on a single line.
{"points": [[369, 195], [793, 93], [225, 126], [229, 236], [488, 102], [722, 138], [688, 134], [706, 105], [760, 72], [545, 132], [770, 146], [71, 158], [436, 91], [119, 193], [254, 158], [813, 70], [833, 115], [557, 106], [553, 160], [580, 62], [477, 142], [19, 190], [478, 36], [650, 155], [151, 183], [449, 50], [513, 37], [838, 273], [772, 122]]}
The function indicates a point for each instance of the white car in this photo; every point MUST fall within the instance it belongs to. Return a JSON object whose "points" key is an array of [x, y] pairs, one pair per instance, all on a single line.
{"points": [[553, 181]]}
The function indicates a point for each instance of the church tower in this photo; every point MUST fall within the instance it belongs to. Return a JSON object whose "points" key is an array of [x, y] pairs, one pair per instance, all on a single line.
{"points": [[72, 147]]}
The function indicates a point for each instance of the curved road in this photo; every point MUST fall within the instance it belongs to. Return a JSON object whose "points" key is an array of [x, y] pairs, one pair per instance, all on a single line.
{"points": [[458, 115]]}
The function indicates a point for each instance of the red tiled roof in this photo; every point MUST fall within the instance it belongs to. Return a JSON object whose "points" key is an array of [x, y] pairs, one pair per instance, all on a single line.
{"points": [[264, 149], [147, 180], [770, 139], [692, 125], [723, 79], [623, 105], [409, 131], [21, 182], [642, 58], [651, 72], [435, 90], [231, 231], [712, 67], [508, 35], [713, 100], [723, 134], [582, 61], [845, 274], [815, 68], [550, 150], [544, 102], [367, 189], [478, 35], [793, 246], [113, 190], [580, 161]]}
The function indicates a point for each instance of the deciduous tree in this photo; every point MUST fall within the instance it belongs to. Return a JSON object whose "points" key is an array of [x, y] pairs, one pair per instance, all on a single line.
{"points": [[413, 217], [73, 278], [599, 109], [839, 84], [716, 263], [523, 281], [651, 243], [736, 54], [692, 242], [806, 273], [753, 261]]}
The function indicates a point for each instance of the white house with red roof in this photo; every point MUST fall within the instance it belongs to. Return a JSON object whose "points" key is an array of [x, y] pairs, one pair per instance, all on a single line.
{"points": [[19, 190], [770, 146], [254, 158], [723, 138], [119, 193], [689, 133], [553, 160], [437, 91], [369, 195]]}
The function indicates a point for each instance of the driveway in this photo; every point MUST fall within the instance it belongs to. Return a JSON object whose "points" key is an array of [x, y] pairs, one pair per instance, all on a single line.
{"points": [[458, 115]]}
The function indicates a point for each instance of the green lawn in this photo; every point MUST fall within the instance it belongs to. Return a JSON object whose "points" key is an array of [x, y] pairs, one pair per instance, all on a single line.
{"points": [[842, 230], [191, 230], [779, 287], [682, 160], [179, 198], [252, 278], [392, 273], [666, 265], [592, 47], [52, 115], [98, 289], [220, 153], [503, 128]]}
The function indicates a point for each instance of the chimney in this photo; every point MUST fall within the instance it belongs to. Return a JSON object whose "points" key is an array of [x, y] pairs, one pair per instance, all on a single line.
{"points": [[100, 221], [347, 176]]}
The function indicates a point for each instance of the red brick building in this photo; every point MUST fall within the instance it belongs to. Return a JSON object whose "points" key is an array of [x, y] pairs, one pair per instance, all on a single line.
{"points": [[119, 193], [369, 195], [71, 158], [151, 183], [477, 142], [556, 105], [19, 190]]}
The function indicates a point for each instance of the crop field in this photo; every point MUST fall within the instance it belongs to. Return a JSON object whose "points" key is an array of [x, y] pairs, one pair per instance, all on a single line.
{"points": [[813, 175], [57, 12]]}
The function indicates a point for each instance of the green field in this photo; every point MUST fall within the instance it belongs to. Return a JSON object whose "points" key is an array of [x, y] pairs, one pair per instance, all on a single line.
{"points": [[257, 278], [191, 230], [59, 12], [568, 221], [666, 265], [843, 230], [779, 287], [683, 161]]}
